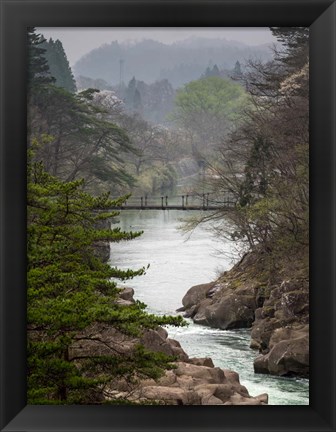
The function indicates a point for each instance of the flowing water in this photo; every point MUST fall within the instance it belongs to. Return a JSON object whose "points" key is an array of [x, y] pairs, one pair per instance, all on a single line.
{"points": [[177, 262]]}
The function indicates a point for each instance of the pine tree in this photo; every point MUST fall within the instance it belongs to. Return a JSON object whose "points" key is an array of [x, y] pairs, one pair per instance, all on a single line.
{"points": [[237, 72], [133, 96], [215, 71], [295, 41], [81, 143], [59, 65], [70, 288], [38, 68]]}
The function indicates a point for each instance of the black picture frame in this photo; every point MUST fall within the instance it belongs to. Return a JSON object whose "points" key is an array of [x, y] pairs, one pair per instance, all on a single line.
{"points": [[16, 15]]}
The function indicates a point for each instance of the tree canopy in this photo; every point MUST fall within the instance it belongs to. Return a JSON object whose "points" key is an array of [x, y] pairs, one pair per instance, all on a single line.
{"points": [[81, 143], [72, 294], [206, 108], [70, 289], [264, 160], [58, 65]]}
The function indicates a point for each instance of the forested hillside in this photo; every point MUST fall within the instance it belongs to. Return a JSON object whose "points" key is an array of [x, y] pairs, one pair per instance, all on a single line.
{"points": [[151, 61]]}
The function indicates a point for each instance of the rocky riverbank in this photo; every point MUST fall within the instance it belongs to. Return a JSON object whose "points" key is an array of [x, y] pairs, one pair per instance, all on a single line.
{"points": [[191, 381], [277, 312]]}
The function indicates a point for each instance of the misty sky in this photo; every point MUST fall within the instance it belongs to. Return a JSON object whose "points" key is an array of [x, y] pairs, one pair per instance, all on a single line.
{"points": [[79, 41]]}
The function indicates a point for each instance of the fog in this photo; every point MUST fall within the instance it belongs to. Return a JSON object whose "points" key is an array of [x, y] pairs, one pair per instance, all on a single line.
{"points": [[79, 41]]}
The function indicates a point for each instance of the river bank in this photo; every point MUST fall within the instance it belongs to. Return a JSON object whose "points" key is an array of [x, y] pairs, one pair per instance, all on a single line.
{"points": [[277, 312], [176, 264]]}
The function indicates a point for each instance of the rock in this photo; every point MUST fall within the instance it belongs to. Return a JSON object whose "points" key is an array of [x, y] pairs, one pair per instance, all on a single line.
{"points": [[224, 392], [221, 305], [203, 373], [153, 341], [277, 311], [168, 379], [191, 312], [123, 302], [260, 364], [191, 384], [102, 339], [294, 303], [195, 294], [127, 294], [227, 309], [171, 395], [288, 333], [231, 376], [206, 361], [162, 332], [210, 400], [262, 331], [286, 358], [263, 398], [102, 250], [281, 330], [238, 399]]}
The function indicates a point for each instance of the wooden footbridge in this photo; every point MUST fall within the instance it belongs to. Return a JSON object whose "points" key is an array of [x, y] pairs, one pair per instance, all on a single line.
{"points": [[204, 201]]}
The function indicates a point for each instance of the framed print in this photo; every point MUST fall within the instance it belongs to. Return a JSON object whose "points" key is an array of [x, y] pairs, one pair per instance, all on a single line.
{"points": [[190, 128]]}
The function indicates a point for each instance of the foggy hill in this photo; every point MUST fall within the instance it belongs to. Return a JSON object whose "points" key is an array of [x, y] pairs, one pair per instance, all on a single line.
{"points": [[151, 60]]}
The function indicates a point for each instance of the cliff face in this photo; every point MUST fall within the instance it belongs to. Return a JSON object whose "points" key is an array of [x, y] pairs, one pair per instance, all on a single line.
{"points": [[278, 313]]}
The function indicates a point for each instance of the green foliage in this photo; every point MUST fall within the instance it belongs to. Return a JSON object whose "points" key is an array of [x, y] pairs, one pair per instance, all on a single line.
{"points": [[70, 289], [212, 95], [38, 68], [59, 65], [158, 178], [295, 41], [206, 109]]}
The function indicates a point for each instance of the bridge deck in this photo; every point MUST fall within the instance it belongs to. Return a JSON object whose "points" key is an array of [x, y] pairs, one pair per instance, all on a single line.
{"points": [[189, 202], [169, 207]]}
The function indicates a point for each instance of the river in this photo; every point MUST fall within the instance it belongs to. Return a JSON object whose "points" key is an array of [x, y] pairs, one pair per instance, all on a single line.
{"points": [[177, 262]]}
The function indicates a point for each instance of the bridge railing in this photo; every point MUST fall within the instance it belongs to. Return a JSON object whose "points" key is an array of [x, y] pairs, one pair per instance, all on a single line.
{"points": [[205, 200]]}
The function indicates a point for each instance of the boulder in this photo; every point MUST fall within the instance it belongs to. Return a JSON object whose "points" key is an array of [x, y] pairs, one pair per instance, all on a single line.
{"points": [[286, 358], [227, 309], [224, 305], [204, 361], [103, 339], [127, 294], [288, 333], [262, 331], [170, 395], [263, 398], [157, 341], [191, 384], [203, 373], [277, 311], [281, 330], [238, 399], [195, 294]]}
